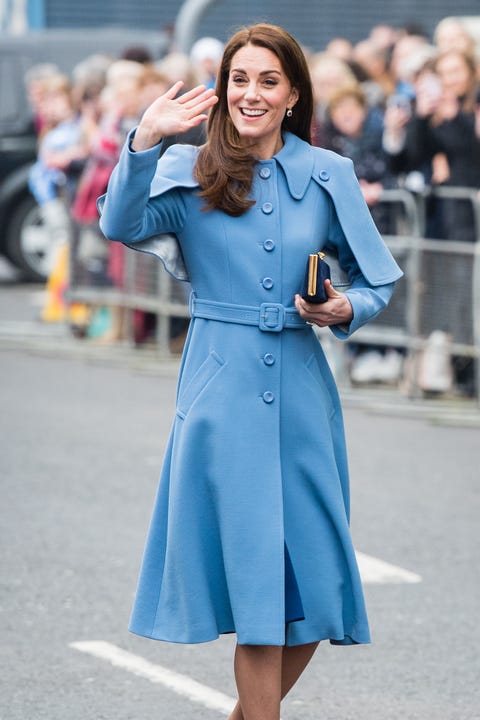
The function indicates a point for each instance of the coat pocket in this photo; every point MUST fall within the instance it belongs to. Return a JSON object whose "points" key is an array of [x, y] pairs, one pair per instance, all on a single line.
{"points": [[198, 383]]}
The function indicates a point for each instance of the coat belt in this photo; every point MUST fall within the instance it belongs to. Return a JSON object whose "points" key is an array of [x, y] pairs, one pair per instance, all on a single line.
{"points": [[269, 317]]}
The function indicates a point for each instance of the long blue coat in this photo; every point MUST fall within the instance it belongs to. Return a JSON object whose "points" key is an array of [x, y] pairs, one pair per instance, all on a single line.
{"points": [[250, 530]]}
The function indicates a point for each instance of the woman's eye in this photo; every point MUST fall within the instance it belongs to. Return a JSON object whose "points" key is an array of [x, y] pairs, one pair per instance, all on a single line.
{"points": [[238, 79], [270, 82]]}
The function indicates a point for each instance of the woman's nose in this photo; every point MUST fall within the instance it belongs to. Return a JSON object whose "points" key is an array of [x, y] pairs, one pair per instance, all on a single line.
{"points": [[251, 92]]}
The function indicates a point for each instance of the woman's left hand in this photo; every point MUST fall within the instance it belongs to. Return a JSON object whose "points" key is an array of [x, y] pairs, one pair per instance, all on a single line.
{"points": [[336, 311]]}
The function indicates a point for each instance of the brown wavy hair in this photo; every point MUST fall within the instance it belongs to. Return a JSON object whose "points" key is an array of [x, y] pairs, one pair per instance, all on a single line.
{"points": [[224, 168]]}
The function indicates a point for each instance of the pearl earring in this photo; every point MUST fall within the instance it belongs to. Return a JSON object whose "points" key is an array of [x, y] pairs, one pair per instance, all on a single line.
{"points": [[289, 112]]}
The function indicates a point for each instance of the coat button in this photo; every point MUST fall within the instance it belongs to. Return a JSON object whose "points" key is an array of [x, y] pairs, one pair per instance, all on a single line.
{"points": [[268, 359], [324, 175], [267, 208], [267, 283], [265, 173], [268, 396], [268, 244]]}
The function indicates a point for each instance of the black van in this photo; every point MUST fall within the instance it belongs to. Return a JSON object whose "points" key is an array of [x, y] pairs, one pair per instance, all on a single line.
{"points": [[22, 237]]}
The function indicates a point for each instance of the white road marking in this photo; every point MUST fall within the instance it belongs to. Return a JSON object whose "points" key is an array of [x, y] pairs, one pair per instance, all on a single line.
{"points": [[180, 684], [373, 570]]}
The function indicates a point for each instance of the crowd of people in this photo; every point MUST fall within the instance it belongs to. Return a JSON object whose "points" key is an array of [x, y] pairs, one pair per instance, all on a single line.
{"points": [[405, 108]]}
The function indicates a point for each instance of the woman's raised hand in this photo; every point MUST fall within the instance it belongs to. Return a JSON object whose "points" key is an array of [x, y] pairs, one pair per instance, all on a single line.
{"points": [[170, 115]]}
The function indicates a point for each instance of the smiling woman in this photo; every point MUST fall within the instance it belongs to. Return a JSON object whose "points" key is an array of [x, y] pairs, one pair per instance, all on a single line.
{"points": [[271, 69], [250, 531]]}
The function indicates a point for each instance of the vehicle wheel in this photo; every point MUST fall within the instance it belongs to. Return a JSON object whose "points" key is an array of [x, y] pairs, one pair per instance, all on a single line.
{"points": [[27, 240]]}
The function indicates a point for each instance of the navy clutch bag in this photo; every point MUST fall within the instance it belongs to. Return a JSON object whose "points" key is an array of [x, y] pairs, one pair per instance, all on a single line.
{"points": [[317, 271]]}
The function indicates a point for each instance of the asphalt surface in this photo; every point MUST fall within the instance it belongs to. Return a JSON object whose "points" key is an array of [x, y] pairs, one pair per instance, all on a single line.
{"points": [[81, 448]]}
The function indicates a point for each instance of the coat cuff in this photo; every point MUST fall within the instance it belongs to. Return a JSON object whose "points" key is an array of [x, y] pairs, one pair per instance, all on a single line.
{"points": [[366, 304]]}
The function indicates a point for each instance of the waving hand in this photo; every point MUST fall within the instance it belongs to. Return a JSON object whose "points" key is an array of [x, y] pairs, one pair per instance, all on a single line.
{"points": [[169, 114]]}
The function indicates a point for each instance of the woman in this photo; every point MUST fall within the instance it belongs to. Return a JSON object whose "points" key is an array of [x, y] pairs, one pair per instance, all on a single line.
{"points": [[250, 528]]}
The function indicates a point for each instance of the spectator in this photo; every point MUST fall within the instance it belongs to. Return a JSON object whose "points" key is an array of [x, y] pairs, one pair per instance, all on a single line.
{"points": [[451, 34], [205, 57], [59, 145], [329, 74], [177, 66], [404, 63], [356, 134], [384, 37], [154, 84], [340, 48], [121, 98], [374, 61], [137, 53], [36, 82]]}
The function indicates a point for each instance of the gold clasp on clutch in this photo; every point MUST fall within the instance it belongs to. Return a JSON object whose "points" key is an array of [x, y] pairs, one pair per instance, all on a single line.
{"points": [[312, 272]]}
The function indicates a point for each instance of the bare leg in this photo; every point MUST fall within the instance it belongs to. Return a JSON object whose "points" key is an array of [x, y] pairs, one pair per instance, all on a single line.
{"points": [[258, 673], [293, 662]]}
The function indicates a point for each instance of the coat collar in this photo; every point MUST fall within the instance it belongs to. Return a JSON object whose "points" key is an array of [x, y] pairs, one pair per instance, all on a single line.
{"points": [[296, 159]]}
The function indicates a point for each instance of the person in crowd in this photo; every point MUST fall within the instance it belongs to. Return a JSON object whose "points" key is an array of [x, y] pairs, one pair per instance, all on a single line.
{"points": [[154, 83], [50, 182], [205, 56], [37, 79], [137, 53], [355, 133], [340, 48], [452, 34], [59, 146], [121, 99], [374, 61], [328, 74], [404, 63], [384, 37], [250, 528]]}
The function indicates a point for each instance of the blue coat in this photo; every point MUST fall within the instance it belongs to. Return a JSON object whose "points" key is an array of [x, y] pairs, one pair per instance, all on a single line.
{"points": [[253, 501]]}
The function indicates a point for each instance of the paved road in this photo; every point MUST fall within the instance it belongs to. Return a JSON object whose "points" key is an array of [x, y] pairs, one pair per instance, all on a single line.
{"points": [[81, 450]]}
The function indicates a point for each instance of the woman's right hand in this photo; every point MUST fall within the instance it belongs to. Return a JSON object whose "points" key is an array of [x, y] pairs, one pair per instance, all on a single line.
{"points": [[170, 115]]}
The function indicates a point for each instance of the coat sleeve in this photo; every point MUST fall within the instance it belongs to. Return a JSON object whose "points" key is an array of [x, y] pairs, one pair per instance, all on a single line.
{"points": [[128, 213], [144, 206], [367, 300]]}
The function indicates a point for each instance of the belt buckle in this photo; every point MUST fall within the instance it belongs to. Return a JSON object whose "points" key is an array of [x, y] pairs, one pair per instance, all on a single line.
{"points": [[272, 317]]}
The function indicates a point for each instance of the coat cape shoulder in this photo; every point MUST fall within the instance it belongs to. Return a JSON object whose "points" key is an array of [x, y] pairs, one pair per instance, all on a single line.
{"points": [[302, 163]]}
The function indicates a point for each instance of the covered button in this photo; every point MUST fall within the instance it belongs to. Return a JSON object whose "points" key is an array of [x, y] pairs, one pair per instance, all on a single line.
{"points": [[268, 396], [267, 283], [265, 173], [268, 359], [324, 175], [268, 244], [267, 208]]}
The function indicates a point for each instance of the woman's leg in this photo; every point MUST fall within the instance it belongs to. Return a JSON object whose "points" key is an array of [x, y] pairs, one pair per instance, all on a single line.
{"points": [[257, 674]]}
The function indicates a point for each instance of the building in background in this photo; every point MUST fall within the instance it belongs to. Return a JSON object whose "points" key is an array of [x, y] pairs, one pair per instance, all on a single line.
{"points": [[314, 23]]}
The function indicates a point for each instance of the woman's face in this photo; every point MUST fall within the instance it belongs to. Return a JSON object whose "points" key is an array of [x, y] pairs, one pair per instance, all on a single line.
{"points": [[258, 96], [454, 74]]}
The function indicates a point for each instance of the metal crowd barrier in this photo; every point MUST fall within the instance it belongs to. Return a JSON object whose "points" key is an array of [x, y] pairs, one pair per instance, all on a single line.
{"points": [[439, 291]]}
